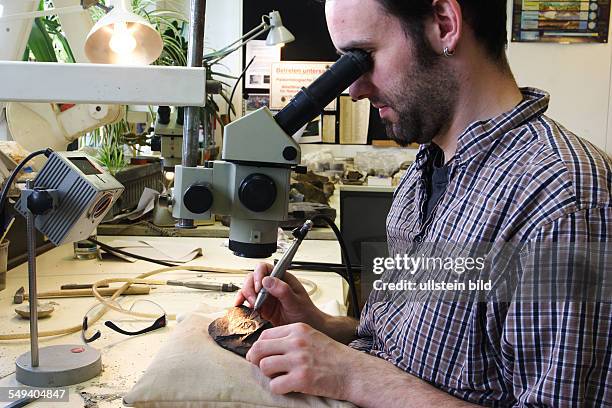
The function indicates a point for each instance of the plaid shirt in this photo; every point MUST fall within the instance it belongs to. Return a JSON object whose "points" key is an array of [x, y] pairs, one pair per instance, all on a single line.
{"points": [[521, 178]]}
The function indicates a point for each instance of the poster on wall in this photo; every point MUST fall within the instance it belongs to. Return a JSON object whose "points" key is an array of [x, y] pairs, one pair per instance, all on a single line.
{"points": [[288, 77], [569, 21], [258, 74]]}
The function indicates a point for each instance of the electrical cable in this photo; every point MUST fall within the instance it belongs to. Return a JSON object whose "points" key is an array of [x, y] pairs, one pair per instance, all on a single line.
{"points": [[122, 252], [11, 178], [349, 271], [340, 269], [236, 86], [322, 264], [21, 402]]}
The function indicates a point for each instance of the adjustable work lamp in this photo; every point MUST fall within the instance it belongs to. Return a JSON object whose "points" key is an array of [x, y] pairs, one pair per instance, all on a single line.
{"points": [[278, 35], [278, 32], [84, 83], [122, 37]]}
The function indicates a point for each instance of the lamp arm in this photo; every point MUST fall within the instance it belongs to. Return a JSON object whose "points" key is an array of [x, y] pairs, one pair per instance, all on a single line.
{"points": [[257, 30], [228, 49]]}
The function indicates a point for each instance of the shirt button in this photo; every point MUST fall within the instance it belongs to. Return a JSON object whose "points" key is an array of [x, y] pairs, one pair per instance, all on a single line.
{"points": [[418, 238]]}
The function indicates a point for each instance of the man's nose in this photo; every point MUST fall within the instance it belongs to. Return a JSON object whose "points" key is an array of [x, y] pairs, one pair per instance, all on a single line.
{"points": [[361, 88]]}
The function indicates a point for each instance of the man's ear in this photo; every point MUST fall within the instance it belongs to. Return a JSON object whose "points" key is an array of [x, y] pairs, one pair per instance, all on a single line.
{"points": [[446, 25]]}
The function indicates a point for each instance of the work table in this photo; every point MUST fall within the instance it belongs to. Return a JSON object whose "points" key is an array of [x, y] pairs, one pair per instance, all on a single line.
{"points": [[125, 358]]}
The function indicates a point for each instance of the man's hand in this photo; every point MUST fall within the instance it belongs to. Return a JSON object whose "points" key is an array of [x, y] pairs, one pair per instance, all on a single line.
{"points": [[299, 358], [287, 301]]}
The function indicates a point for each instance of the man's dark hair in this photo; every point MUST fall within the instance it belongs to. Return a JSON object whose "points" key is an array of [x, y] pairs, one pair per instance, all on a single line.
{"points": [[487, 18]]}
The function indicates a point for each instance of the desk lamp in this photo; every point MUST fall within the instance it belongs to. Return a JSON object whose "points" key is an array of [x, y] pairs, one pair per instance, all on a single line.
{"points": [[122, 37], [278, 35], [36, 125], [71, 194]]}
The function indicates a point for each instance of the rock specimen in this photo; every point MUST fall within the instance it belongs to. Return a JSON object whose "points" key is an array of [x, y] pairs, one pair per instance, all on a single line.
{"points": [[237, 331]]}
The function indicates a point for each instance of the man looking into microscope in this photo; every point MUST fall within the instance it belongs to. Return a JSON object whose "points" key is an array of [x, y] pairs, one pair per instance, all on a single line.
{"points": [[491, 168]]}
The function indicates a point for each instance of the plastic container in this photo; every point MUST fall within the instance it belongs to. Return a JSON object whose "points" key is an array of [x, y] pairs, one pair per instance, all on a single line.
{"points": [[85, 249], [3, 261]]}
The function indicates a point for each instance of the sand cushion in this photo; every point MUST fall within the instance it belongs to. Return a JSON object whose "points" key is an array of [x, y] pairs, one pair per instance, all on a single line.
{"points": [[192, 371]]}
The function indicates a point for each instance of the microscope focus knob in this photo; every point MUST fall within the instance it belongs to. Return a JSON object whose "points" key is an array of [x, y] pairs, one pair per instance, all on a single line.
{"points": [[257, 192], [198, 198]]}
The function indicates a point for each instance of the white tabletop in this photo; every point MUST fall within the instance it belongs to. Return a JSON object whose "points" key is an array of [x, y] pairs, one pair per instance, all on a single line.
{"points": [[125, 358]]}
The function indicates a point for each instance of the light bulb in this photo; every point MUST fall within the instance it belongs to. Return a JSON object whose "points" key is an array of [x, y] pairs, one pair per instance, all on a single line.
{"points": [[122, 41], [1, 10]]}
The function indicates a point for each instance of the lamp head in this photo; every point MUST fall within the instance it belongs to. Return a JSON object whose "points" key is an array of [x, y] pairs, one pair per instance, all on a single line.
{"points": [[278, 35], [122, 37]]}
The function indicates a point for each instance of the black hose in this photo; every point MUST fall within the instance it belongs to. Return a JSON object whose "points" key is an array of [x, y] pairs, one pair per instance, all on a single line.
{"points": [[11, 178], [229, 106], [339, 269], [347, 263], [122, 252]]}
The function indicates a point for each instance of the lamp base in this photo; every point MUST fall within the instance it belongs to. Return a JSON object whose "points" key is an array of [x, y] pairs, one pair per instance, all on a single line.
{"points": [[59, 366]]}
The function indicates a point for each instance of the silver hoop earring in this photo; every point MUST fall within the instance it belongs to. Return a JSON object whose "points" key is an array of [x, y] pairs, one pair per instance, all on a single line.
{"points": [[447, 52]]}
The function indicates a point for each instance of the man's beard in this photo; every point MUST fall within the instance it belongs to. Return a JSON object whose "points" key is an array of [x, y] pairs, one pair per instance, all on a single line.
{"points": [[424, 99]]}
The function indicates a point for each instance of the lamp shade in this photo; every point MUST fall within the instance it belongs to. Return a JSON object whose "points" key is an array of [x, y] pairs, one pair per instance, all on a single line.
{"points": [[278, 33], [122, 37]]}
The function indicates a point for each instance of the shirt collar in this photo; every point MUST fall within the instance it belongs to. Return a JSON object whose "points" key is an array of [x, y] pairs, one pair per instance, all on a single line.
{"points": [[480, 135]]}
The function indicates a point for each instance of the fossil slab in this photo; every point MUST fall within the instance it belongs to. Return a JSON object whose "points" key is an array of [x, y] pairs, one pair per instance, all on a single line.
{"points": [[237, 331]]}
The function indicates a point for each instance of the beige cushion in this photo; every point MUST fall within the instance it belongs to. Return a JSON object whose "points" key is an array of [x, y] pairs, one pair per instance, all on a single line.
{"points": [[191, 371]]}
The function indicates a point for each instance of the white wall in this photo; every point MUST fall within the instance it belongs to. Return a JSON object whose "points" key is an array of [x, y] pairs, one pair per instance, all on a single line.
{"points": [[577, 76]]}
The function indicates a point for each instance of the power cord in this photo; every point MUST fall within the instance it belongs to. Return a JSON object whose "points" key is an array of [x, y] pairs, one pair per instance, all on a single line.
{"points": [[236, 86], [347, 263], [338, 268], [9, 181], [111, 249]]}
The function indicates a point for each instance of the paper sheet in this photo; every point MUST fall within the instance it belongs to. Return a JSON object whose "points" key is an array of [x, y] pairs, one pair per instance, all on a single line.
{"points": [[258, 74], [145, 205]]}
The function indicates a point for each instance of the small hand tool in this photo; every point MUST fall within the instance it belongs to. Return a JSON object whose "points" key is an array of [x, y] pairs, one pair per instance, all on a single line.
{"points": [[281, 266], [216, 287]]}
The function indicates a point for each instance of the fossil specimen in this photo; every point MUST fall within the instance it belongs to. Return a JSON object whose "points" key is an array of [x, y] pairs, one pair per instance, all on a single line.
{"points": [[237, 331]]}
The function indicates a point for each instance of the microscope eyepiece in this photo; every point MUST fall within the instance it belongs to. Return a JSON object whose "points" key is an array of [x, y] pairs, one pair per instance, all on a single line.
{"points": [[309, 102]]}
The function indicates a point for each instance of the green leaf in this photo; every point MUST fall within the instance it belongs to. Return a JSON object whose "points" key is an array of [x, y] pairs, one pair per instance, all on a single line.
{"points": [[40, 43], [26, 54]]}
